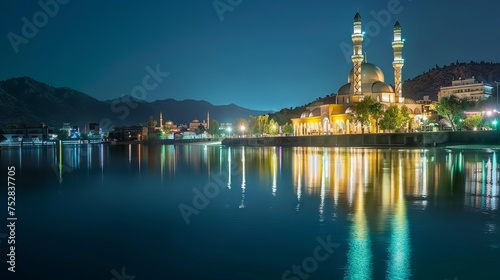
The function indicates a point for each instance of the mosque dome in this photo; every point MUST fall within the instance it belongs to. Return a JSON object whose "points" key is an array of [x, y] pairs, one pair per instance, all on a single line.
{"points": [[370, 73], [372, 81], [380, 87]]}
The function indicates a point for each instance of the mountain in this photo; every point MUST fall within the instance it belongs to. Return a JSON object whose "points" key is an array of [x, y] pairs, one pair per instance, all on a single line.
{"points": [[429, 82], [24, 100]]}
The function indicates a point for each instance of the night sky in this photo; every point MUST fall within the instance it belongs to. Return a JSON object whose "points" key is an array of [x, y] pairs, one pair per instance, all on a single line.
{"points": [[260, 54]]}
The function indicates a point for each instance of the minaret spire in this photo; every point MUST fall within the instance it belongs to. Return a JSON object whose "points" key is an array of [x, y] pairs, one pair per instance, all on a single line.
{"points": [[357, 56], [161, 120], [397, 46]]}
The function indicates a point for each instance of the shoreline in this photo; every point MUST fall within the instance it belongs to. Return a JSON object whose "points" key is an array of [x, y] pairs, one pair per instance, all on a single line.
{"points": [[376, 140]]}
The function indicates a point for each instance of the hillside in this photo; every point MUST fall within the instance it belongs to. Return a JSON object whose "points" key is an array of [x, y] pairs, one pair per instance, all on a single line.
{"points": [[429, 82], [24, 100]]}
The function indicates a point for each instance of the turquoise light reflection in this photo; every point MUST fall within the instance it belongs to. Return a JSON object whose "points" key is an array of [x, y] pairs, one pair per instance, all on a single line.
{"points": [[359, 257], [399, 248]]}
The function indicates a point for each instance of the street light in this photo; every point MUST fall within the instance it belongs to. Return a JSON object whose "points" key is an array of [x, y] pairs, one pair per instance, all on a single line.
{"points": [[229, 131], [242, 128]]}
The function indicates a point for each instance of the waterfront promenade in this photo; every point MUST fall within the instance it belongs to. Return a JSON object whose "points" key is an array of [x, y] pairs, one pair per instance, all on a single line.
{"points": [[414, 139]]}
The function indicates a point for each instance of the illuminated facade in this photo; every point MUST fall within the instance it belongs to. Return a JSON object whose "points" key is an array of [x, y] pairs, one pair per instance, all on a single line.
{"points": [[467, 89], [364, 79]]}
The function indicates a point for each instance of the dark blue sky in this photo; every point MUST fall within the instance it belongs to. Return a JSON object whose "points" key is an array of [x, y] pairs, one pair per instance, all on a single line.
{"points": [[263, 55]]}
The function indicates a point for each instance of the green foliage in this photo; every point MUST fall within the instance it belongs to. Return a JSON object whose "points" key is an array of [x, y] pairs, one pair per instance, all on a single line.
{"points": [[361, 112], [473, 121], [213, 128], [287, 128], [452, 109], [62, 135], [254, 125], [404, 117], [272, 127], [390, 118], [200, 129], [377, 112], [166, 129], [151, 123]]}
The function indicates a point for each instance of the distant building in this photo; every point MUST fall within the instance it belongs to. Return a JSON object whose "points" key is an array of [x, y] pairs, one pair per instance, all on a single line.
{"points": [[467, 89], [24, 132], [225, 128], [129, 133], [426, 105], [195, 124], [95, 132], [67, 128]]}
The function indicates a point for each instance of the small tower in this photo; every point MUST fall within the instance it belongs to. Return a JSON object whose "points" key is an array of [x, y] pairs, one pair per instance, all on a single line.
{"points": [[208, 120], [161, 120], [398, 62], [357, 56]]}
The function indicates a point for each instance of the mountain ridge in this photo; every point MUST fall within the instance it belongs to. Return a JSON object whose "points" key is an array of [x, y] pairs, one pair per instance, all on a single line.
{"points": [[25, 100]]}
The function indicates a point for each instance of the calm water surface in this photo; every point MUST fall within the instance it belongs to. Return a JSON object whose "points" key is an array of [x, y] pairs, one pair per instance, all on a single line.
{"points": [[213, 212]]}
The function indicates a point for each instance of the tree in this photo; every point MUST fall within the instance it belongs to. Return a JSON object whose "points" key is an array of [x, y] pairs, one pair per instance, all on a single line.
{"points": [[361, 112], [151, 124], [272, 127], [473, 121], [213, 129], [200, 129], [390, 118], [404, 117], [377, 112], [262, 124], [166, 129], [254, 125], [452, 109], [287, 128]]}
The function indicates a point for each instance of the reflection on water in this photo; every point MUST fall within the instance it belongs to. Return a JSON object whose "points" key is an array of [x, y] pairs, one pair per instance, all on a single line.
{"points": [[373, 189], [329, 173]]}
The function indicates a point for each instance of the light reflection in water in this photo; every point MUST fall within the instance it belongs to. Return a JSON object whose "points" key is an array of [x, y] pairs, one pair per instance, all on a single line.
{"points": [[375, 187], [243, 178]]}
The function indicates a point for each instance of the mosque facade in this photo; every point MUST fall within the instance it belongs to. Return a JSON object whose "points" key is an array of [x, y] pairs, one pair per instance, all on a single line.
{"points": [[364, 80]]}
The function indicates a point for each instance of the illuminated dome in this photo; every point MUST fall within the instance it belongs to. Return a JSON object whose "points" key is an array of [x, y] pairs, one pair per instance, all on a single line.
{"points": [[370, 73], [372, 81], [380, 87]]}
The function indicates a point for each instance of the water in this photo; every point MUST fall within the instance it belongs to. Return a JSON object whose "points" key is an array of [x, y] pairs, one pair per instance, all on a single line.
{"points": [[212, 212]]}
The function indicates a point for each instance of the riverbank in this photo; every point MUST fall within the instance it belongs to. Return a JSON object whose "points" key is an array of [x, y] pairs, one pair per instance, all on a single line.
{"points": [[415, 139]]}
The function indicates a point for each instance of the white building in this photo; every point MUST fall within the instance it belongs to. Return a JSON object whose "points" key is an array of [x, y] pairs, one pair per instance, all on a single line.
{"points": [[468, 89]]}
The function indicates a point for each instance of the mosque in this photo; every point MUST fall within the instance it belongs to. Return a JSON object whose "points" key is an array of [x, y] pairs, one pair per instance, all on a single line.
{"points": [[365, 79]]}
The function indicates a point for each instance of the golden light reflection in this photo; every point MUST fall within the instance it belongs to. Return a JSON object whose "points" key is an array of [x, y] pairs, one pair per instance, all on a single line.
{"points": [[274, 171]]}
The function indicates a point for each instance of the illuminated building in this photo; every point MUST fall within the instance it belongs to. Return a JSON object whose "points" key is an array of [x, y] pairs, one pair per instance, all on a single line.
{"points": [[364, 80], [467, 89]]}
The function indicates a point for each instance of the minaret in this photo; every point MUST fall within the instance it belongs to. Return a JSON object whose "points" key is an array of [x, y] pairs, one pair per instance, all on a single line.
{"points": [[161, 120], [208, 120], [357, 56], [398, 62]]}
